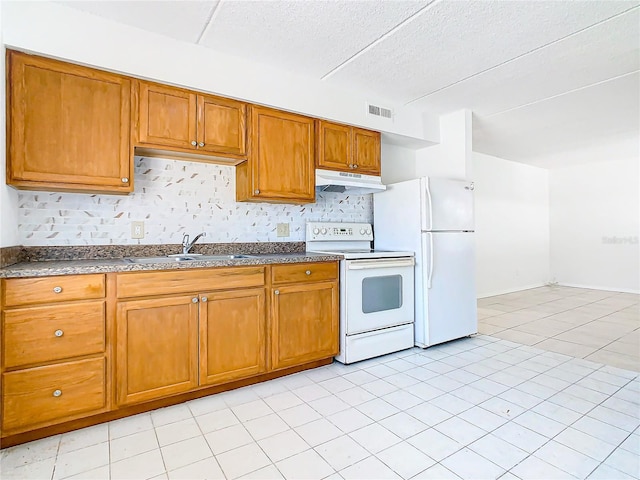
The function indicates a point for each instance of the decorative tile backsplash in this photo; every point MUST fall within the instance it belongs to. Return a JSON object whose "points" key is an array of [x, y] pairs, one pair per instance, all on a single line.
{"points": [[174, 197]]}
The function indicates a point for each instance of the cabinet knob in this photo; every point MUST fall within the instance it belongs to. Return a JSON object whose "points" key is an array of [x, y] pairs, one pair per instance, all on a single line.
{"points": [[57, 289], [194, 143], [257, 192], [201, 144], [355, 165], [124, 180], [204, 299], [277, 292], [57, 393], [308, 272], [58, 333], [194, 300]]}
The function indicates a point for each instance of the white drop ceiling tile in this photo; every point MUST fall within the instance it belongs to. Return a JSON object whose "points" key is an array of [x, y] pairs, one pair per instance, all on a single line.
{"points": [[450, 41], [182, 20], [597, 54], [309, 37], [578, 121]]}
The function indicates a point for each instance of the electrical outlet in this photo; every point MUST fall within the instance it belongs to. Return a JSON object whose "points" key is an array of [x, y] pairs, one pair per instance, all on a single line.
{"points": [[282, 229], [137, 229]]}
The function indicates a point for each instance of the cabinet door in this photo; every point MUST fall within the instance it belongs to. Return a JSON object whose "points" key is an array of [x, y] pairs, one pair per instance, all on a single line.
{"points": [[334, 146], [366, 151], [68, 127], [221, 125], [166, 116], [281, 158], [157, 348], [232, 335], [304, 323]]}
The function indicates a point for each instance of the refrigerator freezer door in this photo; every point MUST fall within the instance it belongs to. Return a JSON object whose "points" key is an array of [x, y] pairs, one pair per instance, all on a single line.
{"points": [[447, 205], [448, 309]]}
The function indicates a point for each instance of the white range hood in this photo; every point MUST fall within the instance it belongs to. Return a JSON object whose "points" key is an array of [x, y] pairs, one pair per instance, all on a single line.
{"points": [[347, 182]]}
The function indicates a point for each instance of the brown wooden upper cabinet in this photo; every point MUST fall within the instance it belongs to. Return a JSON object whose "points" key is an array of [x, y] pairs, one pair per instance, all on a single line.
{"points": [[172, 118], [68, 127], [280, 162], [348, 149]]}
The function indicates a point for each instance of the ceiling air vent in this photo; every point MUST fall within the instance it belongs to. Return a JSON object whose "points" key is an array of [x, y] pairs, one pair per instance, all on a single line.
{"points": [[378, 111]]}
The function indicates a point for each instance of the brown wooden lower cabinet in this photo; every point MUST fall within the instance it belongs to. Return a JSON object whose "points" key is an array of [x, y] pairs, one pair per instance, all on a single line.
{"points": [[157, 348], [157, 337], [304, 323]]}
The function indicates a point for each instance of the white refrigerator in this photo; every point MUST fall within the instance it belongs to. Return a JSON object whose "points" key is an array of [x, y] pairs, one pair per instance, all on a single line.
{"points": [[433, 217]]}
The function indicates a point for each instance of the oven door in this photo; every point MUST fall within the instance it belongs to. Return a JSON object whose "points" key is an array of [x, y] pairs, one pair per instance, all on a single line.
{"points": [[378, 293]]}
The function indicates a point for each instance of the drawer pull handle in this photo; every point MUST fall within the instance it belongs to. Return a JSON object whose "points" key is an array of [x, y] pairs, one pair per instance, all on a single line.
{"points": [[57, 393], [308, 272], [204, 299], [57, 289], [58, 333]]}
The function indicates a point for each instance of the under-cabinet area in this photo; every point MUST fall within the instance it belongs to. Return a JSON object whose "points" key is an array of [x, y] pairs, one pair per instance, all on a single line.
{"points": [[83, 349], [76, 129]]}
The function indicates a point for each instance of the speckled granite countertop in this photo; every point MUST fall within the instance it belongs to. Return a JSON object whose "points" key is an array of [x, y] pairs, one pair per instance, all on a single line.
{"points": [[70, 267]]}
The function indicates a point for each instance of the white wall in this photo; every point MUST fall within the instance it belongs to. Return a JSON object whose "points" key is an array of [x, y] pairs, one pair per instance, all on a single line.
{"points": [[8, 196], [452, 157], [397, 163], [595, 225], [512, 225]]}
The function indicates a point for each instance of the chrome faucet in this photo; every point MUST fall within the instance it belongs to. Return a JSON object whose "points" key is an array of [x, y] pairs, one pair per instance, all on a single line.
{"points": [[186, 244]]}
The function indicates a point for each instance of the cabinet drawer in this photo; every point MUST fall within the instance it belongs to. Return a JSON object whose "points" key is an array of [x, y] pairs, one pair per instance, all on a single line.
{"points": [[43, 334], [27, 291], [53, 393], [303, 272], [188, 281]]}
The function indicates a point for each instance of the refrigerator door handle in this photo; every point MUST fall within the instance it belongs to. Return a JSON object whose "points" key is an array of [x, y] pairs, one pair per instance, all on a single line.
{"points": [[430, 275], [430, 206]]}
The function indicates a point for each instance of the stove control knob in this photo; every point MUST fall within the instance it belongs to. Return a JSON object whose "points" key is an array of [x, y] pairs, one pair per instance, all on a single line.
{"points": [[362, 231], [323, 231], [316, 231], [368, 231]]}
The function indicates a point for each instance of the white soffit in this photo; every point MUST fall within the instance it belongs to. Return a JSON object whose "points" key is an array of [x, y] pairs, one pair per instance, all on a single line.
{"points": [[558, 127], [602, 52], [183, 20], [308, 37], [450, 41]]}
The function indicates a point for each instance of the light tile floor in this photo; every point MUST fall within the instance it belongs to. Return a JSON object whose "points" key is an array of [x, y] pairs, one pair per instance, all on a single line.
{"points": [[592, 324], [479, 407]]}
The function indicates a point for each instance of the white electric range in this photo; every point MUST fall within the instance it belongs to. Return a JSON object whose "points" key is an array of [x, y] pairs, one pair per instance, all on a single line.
{"points": [[376, 290]]}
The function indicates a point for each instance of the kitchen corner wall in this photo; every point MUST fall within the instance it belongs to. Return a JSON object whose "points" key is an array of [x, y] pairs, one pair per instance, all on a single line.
{"points": [[174, 197]]}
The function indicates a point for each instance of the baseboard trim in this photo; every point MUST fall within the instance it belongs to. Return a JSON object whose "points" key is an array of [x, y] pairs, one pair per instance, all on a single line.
{"points": [[511, 290], [606, 289]]}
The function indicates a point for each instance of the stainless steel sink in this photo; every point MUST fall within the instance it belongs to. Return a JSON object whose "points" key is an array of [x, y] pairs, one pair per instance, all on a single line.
{"points": [[183, 258]]}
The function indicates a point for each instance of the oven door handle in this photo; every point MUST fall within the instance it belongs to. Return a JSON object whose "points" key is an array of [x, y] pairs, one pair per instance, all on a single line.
{"points": [[379, 263]]}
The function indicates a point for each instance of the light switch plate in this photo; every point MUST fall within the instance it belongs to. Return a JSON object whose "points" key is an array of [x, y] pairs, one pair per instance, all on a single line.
{"points": [[282, 230], [137, 229]]}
